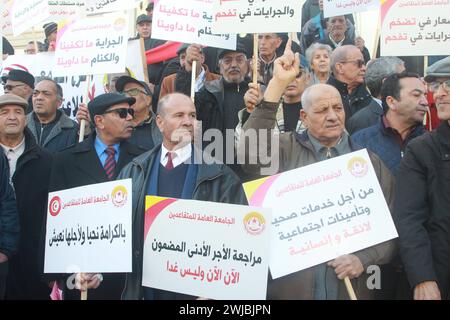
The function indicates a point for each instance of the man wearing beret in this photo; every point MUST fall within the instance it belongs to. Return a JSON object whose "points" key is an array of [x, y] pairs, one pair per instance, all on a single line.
{"points": [[145, 134], [98, 159], [422, 203], [29, 170], [20, 83], [51, 127]]}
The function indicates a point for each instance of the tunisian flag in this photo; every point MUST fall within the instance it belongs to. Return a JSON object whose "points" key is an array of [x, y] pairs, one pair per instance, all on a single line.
{"points": [[164, 52]]}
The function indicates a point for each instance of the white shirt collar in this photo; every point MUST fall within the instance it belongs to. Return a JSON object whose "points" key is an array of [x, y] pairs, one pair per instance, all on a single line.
{"points": [[336, 44], [180, 156], [19, 149], [13, 154]]}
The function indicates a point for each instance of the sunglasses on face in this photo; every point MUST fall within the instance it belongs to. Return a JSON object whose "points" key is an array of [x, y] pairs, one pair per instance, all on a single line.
{"points": [[434, 86], [10, 87], [134, 92], [359, 63], [122, 112]]}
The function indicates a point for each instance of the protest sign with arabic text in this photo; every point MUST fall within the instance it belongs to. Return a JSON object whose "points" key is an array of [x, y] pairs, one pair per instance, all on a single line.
{"points": [[322, 211], [206, 249], [89, 228]]}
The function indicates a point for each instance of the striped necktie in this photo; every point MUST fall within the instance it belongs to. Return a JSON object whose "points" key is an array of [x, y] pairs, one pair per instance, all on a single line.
{"points": [[110, 163]]}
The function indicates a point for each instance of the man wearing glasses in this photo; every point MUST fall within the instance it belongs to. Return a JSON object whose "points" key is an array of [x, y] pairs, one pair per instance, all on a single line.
{"points": [[98, 159], [349, 69], [422, 204], [20, 83], [219, 101], [146, 134]]}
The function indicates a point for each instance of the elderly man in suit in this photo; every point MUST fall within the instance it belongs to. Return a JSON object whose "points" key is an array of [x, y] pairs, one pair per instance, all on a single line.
{"points": [[99, 159]]}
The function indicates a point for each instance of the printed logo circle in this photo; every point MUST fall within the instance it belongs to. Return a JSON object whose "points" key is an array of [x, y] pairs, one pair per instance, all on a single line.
{"points": [[119, 196], [119, 24], [254, 223], [358, 167], [55, 206]]}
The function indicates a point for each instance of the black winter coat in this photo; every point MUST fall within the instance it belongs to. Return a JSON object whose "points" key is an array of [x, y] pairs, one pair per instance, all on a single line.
{"points": [[9, 218], [215, 183], [80, 166], [422, 209], [353, 102], [30, 181]]}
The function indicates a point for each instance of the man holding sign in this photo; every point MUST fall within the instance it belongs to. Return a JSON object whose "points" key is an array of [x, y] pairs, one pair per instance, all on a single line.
{"points": [[324, 116], [95, 160], [171, 170]]}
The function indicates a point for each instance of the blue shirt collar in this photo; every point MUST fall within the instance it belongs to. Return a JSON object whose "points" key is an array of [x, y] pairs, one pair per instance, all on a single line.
{"points": [[100, 146]]}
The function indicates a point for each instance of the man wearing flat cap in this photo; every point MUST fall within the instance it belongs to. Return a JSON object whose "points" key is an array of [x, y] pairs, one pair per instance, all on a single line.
{"points": [[219, 101], [98, 159], [29, 171], [146, 134], [50, 30], [20, 83], [422, 203]]}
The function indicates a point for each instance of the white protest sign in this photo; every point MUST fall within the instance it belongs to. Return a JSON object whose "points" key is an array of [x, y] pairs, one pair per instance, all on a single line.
{"points": [[102, 6], [26, 14], [206, 249], [74, 87], [62, 9], [92, 46], [256, 16], [89, 228], [415, 28], [189, 20], [6, 6], [332, 8], [322, 211]]}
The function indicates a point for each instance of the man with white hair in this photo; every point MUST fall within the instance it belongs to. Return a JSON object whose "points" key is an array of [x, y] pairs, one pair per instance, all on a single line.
{"points": [[349, 69], [323, 115]]}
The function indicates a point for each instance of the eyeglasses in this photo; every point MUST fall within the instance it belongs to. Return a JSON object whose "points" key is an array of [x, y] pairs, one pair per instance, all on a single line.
{"points": [[434, 86], [122, 112], [10, 87], [134, 92], [238, 59], [359, 63]]}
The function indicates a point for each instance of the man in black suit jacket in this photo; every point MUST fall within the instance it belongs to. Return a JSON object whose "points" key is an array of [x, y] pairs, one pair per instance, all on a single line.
{"points": [[95, 160]]}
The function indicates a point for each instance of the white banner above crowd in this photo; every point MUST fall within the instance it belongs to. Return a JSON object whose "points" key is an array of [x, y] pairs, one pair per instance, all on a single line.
{"points": [[74, 87], [415, 28], [92, 46], [256, 16], [332, 8], [189, 21]]}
